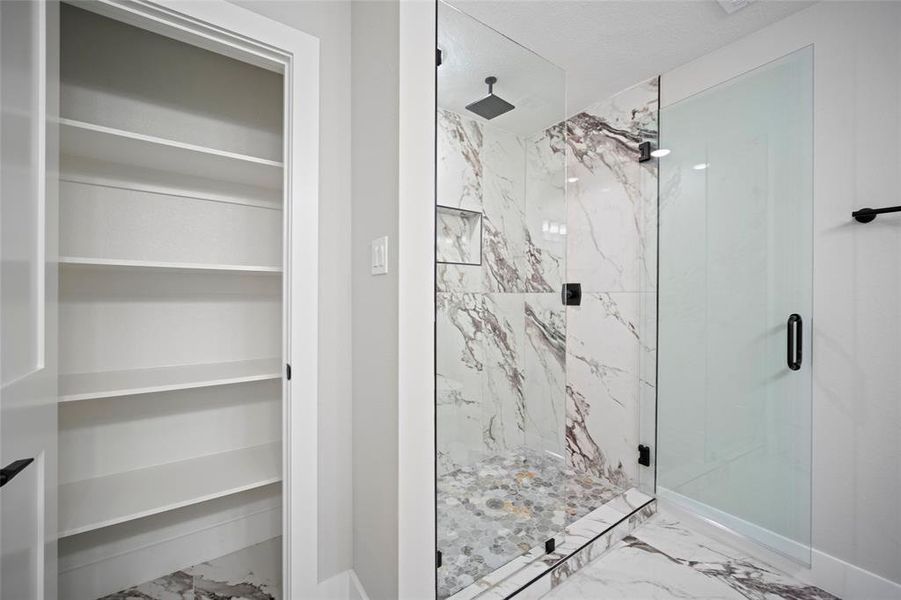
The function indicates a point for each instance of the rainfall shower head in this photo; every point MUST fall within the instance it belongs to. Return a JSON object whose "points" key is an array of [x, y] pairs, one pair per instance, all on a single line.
{"points": [[490, 106]]}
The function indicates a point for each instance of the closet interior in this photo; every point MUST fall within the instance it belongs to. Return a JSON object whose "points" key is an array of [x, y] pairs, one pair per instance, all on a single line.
{"points": [[171, 228]]}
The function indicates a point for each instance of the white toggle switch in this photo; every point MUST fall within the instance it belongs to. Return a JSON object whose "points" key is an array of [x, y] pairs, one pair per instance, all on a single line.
{"points": [[379, 256]]}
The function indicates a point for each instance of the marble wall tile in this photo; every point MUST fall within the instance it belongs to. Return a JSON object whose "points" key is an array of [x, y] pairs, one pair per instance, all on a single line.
{"points": [[480, 375], [460, 361], [544, 359], [611, 250], [460, 183], [530, 372], [459, 423], [602, 345], [503, 378], [647, 384], [500, 325], [501, 374], [611, 196], [647, 229], [460, 169], [482, 168], [545, 211], [503, 205], [519, 185]]}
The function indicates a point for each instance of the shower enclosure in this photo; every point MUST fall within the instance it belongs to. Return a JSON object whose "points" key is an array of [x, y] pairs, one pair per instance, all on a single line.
{"points": [[544, 305], [619, 314]]}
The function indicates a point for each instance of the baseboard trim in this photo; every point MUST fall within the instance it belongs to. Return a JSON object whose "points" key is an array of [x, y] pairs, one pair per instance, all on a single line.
{"points": [[342, 586], [851, 582], [356, 589]]}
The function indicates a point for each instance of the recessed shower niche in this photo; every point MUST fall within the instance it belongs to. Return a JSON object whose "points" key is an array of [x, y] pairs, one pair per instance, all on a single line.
{"points": [[458, 236], [539, 406]]}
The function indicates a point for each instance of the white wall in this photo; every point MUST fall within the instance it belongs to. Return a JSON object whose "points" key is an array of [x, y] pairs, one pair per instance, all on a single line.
{"points": [[330, 22], [373, 154], [857, 277], [358, 364]]}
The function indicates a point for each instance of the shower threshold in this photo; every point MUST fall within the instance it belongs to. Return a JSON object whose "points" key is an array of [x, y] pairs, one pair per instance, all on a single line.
{"points": [[494, 518]]}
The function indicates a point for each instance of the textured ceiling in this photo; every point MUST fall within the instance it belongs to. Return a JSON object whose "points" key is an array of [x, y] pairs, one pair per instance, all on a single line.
{"points": [[604, 46], [471, 52]]}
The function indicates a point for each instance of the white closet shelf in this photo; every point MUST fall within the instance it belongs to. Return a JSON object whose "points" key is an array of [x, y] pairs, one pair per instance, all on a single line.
{"points": [[110, 145], [229, 193], [109, 384], [103, 501], [163, 265]]}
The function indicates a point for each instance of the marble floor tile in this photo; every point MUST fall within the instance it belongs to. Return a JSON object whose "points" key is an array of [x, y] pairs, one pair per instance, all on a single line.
{"points": [[252, 573], [175, 586], [665, 559]]}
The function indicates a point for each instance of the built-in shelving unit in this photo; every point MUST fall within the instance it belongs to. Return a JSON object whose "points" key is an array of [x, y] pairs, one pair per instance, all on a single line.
{"points": [[104, 501], [110, 145], [168, 266], [171, 323], [176, 185], [89, 386]]}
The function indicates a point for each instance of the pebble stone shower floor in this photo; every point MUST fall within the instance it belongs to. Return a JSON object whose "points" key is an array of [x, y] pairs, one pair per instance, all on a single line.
{"points": [[499, 508]]}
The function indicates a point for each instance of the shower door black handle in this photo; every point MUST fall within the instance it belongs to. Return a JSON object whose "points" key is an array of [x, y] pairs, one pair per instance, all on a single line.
{"points": [[795, 338]]}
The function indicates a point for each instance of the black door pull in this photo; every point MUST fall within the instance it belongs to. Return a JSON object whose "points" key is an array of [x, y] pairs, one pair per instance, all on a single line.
{"points": [[795, 336], [12, 469]]}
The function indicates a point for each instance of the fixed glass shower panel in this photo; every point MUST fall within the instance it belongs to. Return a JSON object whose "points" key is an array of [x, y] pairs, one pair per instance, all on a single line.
{"points": [[735, 276], [500, 324]]}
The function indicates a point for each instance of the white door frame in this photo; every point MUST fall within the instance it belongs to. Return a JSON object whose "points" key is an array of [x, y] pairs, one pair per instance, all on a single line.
{"points": [[416, 279], [228, 29]]}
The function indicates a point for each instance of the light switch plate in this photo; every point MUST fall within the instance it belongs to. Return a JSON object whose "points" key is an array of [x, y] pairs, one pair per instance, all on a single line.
{"points": [[379, 256]]}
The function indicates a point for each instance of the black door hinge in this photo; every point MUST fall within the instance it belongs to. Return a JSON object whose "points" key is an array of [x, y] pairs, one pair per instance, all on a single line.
{"points": [[550, 545], [288, 372], [644, 455], [438, 56], [437, 558], [644, 152]]}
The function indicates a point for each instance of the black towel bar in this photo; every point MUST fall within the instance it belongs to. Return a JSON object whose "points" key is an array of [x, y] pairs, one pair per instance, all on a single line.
{"points": [[865, 215]]}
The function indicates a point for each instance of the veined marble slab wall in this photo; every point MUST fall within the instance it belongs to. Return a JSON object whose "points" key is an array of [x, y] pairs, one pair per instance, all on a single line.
{"points": [[501, 325], [611, 250], [514, 366]]}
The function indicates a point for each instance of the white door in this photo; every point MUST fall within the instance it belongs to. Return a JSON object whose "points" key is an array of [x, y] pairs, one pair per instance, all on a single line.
{"points": [[28, 158]]}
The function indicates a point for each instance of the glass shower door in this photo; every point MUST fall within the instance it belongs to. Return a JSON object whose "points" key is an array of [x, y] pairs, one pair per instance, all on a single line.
{"points": [[735, 273], [500, 325]]}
